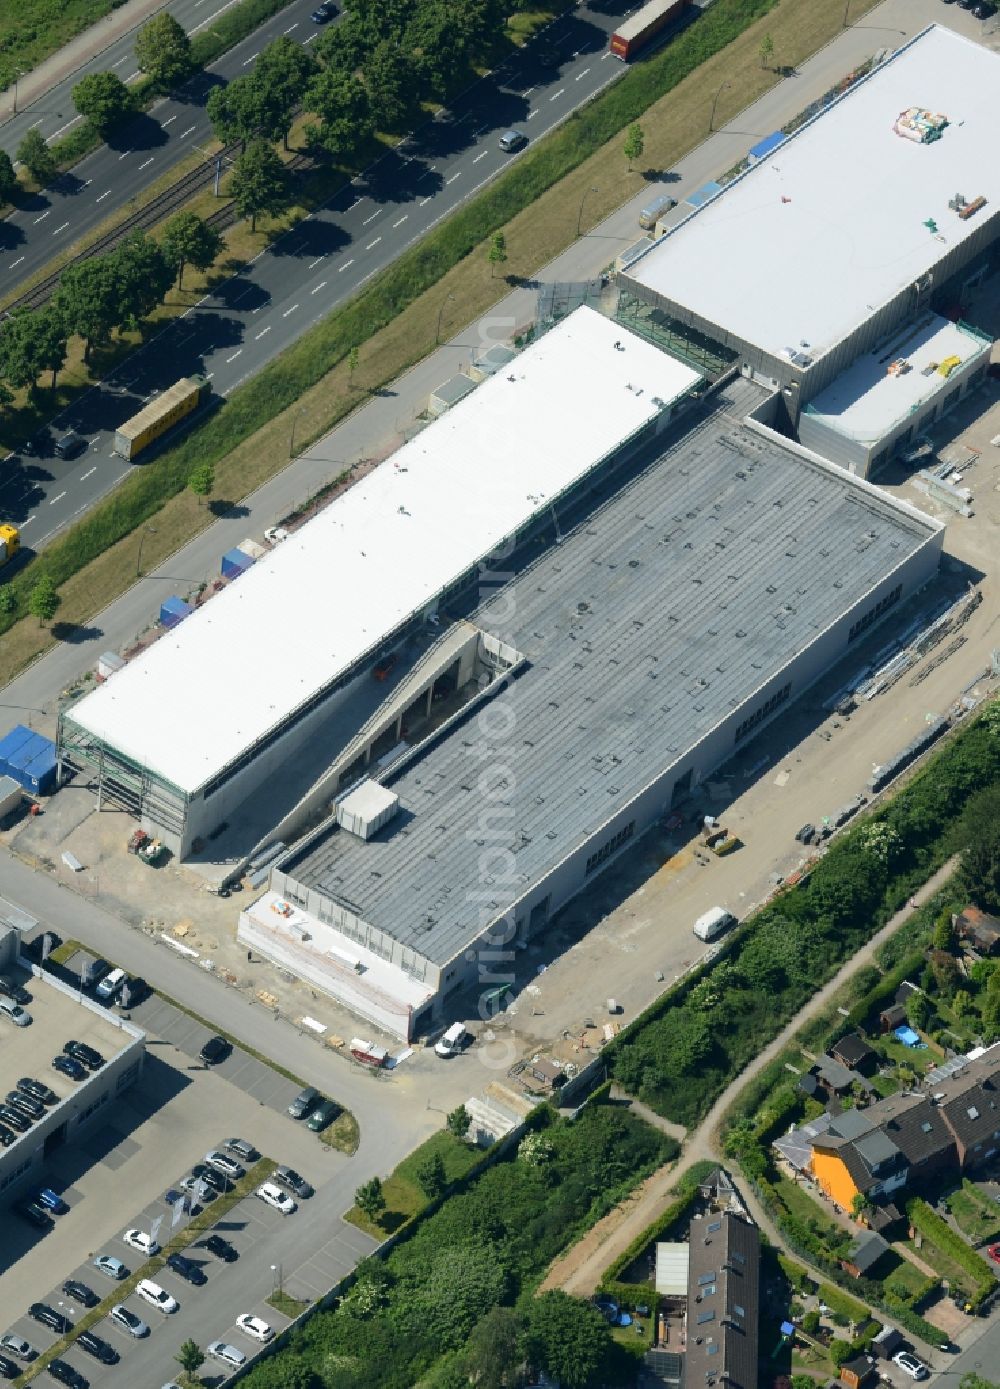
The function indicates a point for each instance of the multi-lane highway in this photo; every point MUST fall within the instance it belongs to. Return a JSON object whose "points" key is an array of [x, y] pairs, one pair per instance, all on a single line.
{"points": [[138, 154], [252, 317]]}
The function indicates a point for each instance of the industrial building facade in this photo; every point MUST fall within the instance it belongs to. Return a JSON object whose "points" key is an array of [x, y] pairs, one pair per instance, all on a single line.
{"points": [[683, 610], [819, 269]]}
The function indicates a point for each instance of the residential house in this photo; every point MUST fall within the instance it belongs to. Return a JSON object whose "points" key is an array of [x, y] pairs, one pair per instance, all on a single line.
{"points": [[858, 1372], [981, 930], [834, 1076], [864, 1254], [723, 1302], [855, 1053], [892, 1017]]}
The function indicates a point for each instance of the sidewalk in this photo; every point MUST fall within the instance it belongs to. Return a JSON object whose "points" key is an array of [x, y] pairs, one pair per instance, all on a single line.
{"points": [[73, 55]]}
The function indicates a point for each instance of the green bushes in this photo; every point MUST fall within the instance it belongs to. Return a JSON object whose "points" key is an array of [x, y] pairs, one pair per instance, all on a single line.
{"points": [[686, 1192], [940, 1234]]}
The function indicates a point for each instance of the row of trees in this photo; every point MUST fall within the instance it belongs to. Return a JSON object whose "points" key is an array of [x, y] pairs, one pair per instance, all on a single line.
{"points": [[99, 295]]}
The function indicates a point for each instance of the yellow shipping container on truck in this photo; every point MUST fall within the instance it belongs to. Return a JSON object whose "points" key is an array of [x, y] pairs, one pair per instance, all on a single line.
{"points": [[159, 415], [10, 542]]}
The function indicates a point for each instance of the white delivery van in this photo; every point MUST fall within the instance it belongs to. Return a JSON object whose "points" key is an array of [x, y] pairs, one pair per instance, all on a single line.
{"points": [[451, 1042], [713, 923]]}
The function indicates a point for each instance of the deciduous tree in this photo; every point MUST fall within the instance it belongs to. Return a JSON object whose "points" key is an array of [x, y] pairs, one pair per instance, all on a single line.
{"points": [[568, 1339], [977, 836], [635, 143], [37, 158], [370, 1198], [432, 1176], [31, 342], [8, 178], [766, 50], [497, 254], [202, 480], [187, 240], [190, 1357], [43, 600], [87, 300], [281, 75], [260, 183], [494, 1351], [144, 275], [458, 1121], [341, 102], [391, 82], [103, 99], [163, 51]]}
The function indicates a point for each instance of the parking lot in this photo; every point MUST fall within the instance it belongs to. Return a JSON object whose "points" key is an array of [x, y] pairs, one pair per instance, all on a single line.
{"points": [[115, 1177]]}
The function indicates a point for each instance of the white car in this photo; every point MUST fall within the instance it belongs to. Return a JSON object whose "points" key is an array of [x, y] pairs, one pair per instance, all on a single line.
{"points": [[274, 1196], [156, 1296], [138, 1239], [254, 1327], [128, 1321], [229, 1355], [910, 1365]]}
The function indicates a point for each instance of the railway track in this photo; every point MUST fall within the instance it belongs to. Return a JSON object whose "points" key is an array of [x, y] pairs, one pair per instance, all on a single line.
{"points": [[172, 199]]}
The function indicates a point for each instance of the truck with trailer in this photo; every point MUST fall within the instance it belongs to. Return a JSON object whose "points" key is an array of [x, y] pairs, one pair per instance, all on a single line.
{"points": [[161, 414], [632, 36]]}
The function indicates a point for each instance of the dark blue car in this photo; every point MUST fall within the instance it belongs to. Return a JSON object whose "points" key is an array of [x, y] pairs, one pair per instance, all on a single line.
{"points": [[51, 1200]]}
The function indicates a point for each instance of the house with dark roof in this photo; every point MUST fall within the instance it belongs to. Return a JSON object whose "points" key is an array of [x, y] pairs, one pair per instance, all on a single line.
{"points": [[834, 1076], [855, 1053], [979, 929], [723, 1302], [865, 1254], [892, 1017], [858, 1372]]}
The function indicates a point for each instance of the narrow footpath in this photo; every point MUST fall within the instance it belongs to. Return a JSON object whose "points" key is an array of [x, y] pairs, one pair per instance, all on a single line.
{"points": [[580, 1269]]}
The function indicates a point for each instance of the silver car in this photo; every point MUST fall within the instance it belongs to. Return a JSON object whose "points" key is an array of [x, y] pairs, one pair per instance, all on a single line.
{"points": [[128, 1321], [225, 1164], [229, 1355]]}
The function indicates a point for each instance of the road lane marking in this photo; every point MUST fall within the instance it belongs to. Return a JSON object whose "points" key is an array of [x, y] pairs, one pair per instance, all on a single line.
{"points": [[53, 500], [88, 183], [251, 58], [104, 195], [355, 204], [373, 243], [169, 121], [84, 476], [27, 523], [372, 217], [34, 123], [16, 263], [606, 55], [528, 92], [480, 156], [233, 357], [321, 285], [401, 221], [291, 27], [59, 229], [532, 114], [257, 309], [454, 177], [124, 156], [262, 332], [121, 60], [556, 95], [581, 74], [315, 262], [345, 265], [288, 311], [310, 38], [42, 218], [187, 132], [425, 202], [147, 163]]}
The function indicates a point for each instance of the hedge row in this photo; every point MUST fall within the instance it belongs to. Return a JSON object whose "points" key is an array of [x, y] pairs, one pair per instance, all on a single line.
{"points": [[940, 1234], [686, 1194], [300, 367]]}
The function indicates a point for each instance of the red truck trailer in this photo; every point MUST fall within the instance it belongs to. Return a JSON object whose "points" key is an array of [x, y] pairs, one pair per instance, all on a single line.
{"points": [[637, 31]]}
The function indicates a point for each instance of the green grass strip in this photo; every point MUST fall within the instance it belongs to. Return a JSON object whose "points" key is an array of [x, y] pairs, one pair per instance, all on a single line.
{"points": [[281, 383]]}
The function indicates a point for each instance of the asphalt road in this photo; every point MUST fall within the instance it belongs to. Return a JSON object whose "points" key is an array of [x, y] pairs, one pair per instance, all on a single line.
{"points": [[252, 317], [138, 154]]}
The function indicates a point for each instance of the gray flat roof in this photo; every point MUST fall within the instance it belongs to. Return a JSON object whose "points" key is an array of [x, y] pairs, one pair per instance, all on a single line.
{"points": [[658, 615]]}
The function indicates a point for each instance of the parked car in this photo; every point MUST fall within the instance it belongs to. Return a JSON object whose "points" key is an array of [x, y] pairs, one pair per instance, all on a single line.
{"points": [[9, 988], [216, 1049], [38, 1090], [48, 1316], [242, 1149], [65, 1374], [134, 990], [229, 1355], [7, 1136], [222, 1249], [8, 1369], [24, 1104], [51, 1200], [99, 1349], [295, 1183], [14, 1118], [272, 1195], [217, 1181], [304, 1103], [110, 986], [128, 1321], [79, 1292], [69, 1066], [114, 1268], [253, 1326], [323, 1116], [187, 1269], [17, 1346], [156, 1296], [80, 1051], [227, 1165], [14, 1013], [34, 1214], [141, 1241], [910, 1365], [195, 1187]]}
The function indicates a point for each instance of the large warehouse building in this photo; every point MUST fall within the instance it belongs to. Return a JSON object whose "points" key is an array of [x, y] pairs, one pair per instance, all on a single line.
{"points": [[186, 732], [820, 268], [680, 611]]}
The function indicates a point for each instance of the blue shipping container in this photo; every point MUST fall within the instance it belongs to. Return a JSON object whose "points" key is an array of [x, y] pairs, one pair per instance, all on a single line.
{"points": [[30, 759], [235, 563], [174, 610], [11, 741]]}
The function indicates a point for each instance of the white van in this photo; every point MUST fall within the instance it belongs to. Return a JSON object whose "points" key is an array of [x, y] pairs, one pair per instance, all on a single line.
{"points": [[713, 923], [110, 986], [451, 1043]]}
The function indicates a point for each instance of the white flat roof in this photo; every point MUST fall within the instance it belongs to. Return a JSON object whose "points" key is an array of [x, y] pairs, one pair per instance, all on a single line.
{"points": [[832, 224], [338, 587], [867, 400]]}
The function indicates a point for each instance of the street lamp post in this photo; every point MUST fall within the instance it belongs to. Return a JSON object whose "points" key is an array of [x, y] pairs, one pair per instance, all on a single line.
{"points": [[847, 6], [276, 1280], [711, 119], [142, 540], [579, 215], [295, 420], [18, 73], [437, 330]]}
